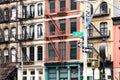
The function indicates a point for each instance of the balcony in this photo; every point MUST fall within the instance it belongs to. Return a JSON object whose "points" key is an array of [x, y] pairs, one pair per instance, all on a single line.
{"points": [[96, 35], [62, 12]]}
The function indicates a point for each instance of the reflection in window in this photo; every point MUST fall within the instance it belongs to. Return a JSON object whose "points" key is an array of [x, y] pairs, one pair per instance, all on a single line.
{"points": [[6, 14], [103, 28], [103, 7], [6, 55], [62, 5], [1, 35], [1, 16], [6, 33], [62, 50], [13, 53], [40, 11], [13, 14], [31, 32], [24, 11], [32, 10], [39, 30], [24, 32], [13, 34], [62, 26]]}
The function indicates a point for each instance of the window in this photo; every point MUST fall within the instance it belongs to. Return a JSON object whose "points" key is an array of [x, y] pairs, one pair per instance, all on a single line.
{"points": [[31, 53], [52, 74], [24, 32], [52, 28], [6, 14], [103, 7], [51, 51], [1, 35], [6, 55], [32, 75], [1, 16], [62, 50], [0, 53], [6, 33], [31, 32], [73, 25], [24, 54], [40, 10], [32, 10], [103, 28], [14, 13], [13, 53], [39, 52], [74, 73], [24, 11], [24, 74], [90, 30], [62, 26], [73, 50], [13, 34], [73, 5], [39, 30], [52, 5], [63, 73], [62, 5]]}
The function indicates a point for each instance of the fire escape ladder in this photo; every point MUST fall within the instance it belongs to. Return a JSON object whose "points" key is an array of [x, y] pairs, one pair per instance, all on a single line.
{"points": [[61, 37]]}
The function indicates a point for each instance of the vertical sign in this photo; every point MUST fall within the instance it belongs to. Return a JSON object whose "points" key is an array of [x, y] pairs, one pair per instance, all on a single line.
{"points": [[88, 13]]}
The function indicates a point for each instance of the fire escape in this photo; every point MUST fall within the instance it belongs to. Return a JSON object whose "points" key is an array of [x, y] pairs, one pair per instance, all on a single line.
{"points": [[59, 34]]}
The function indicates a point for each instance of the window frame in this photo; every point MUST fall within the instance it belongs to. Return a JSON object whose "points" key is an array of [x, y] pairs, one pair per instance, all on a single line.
{"points": [[31, 32], [52, 6], [73, 5], [39, 30], [40, 9], [51, 51], [62, 26], [31, 54], [73, 25], [103, 7], [40, 53], [62, 5], [32, 11], [104, 28], [73, 45]]}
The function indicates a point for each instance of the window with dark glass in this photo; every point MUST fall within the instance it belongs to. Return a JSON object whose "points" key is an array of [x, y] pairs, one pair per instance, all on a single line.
{"points": [[6, 14], [24, 54], [39, 30], [24, 74], [32, 75], [90, 30], [91, 7], [6, 55], [40, 50], [51, 51], [73, 25], [24, 12], [62, 26], [52, 28], [104, 28], [31, 53], [103, 7], [1, 15], [6, 34], [73, 5], [52, 5], [31, 32], [24, 32], [62, 50], [40, 10], [1, 35], [13, 14], [73, 50], [32, 10], [62, 5]]}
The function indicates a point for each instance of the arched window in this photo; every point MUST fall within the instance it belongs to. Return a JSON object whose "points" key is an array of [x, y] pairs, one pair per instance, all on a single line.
{"points": [[32, 10], [6, 55], [103, 7], [31, 32], [6, 14], [40, 10], [13, 13], [13, 34], [39, 30], [13, 55], [6, 33], [24, 32]]}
